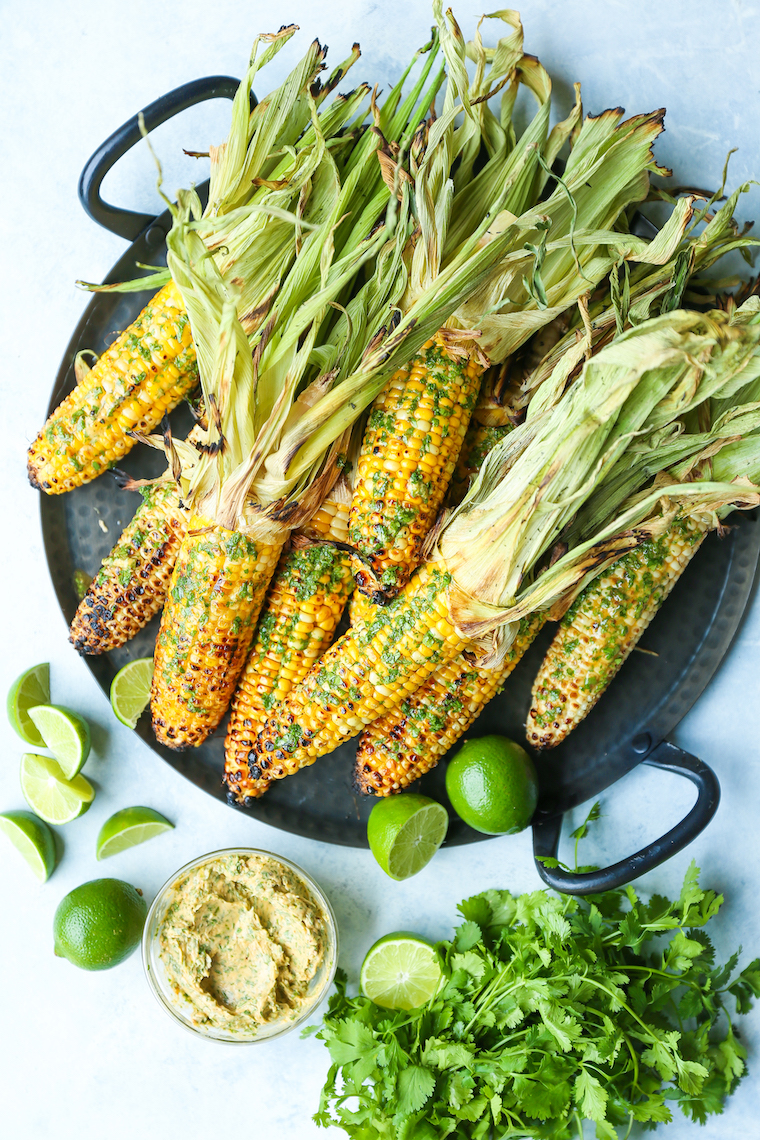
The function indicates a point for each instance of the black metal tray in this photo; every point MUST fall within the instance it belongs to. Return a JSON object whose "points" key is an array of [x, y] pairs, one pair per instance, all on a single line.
{"points": [[647, 699]]}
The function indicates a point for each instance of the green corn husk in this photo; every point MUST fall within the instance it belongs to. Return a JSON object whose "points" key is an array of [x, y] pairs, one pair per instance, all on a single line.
{"points": [[657, 378], [290, 383]]}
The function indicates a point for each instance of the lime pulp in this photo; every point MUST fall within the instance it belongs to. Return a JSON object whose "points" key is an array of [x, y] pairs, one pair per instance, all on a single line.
{"points": [[401, 971], [130, 690], [127, 828], [47, 791], [30, 689], [33, 839], [66, 734], [404, 832]]}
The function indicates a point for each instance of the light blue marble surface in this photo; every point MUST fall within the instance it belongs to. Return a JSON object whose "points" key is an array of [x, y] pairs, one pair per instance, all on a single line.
{"points": [[88, 1056]]}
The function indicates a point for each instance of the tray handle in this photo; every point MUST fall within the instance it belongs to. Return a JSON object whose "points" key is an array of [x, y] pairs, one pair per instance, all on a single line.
{"points": [[128, 223], [669, 758]]}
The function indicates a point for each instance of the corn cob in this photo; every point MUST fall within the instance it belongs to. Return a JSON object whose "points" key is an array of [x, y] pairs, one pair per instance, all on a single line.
{"points": [[361, 677], [480, 439], [215, 595], [360, 609], [308, 595], [131, 584], [143, 375], [410, 449], [602, 627], [400, 747]]}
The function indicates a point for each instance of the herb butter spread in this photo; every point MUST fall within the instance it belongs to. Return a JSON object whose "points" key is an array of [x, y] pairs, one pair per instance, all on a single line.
{"points": [[241, 940]]}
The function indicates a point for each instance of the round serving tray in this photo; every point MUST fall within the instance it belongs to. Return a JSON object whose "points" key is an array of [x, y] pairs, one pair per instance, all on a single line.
{"points": [[651, 694]]}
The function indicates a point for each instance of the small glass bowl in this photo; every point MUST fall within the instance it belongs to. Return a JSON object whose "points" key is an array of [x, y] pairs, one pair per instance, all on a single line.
{"points": [[173, 1003]]}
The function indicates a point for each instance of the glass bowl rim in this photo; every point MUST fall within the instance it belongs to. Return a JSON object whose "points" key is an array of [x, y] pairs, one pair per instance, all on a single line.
{"points": [[149, 936]]}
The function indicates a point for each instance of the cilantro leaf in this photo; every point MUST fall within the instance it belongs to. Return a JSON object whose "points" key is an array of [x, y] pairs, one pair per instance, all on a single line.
{"points": [[415, 1086], [552, 1010], [590, 1096]]}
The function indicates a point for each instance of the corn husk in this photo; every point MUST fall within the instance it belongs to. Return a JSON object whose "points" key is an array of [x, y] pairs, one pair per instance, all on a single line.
{"points": [[612, 419]]}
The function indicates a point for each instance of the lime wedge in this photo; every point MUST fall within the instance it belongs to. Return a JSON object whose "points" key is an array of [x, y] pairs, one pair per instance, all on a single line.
{"points": [[33, 839], [130, 690], [31, 688], [401, 971], [47, 791], [127, 828], [65, 734], [404, 833]]}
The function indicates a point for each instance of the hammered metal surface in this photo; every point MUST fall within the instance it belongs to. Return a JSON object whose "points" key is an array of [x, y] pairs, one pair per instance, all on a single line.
{"points": [[649, 696]]}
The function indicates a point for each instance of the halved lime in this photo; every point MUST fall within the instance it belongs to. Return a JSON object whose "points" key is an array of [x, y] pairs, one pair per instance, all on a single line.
{"points": [[47, 791], [401, 971], [130, 690], [31, 688], [127, 828], [404, 833], [66, 734], [33, 839]]}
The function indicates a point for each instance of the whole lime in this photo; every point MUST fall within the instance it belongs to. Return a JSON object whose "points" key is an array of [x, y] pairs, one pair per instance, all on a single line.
{"points": [[99, 924], [492, 785]]}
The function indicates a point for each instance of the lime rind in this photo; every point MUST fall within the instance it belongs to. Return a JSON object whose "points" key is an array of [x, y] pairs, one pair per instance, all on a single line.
{"points": [[400, 971], [66, 734], [55, 799], [33, 839], [99, 924], [130, 691], [417, 841], [31, 688], [129, 827]]}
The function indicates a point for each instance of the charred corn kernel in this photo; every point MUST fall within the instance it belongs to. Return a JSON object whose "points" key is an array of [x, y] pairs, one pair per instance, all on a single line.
{"points": [[215, 595], [361, 677], [407, 742], [308, 595], [601, 628], [144, 374], [131, 585], [408, 455]]}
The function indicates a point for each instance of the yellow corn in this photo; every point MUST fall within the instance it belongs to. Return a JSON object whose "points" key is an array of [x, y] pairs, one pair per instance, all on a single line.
{"points": [[309, 592], [131, 584], [215, 595], [602, 627], [361, 677], [408, 741], [144, 374], [410, 449], [478, 442]]}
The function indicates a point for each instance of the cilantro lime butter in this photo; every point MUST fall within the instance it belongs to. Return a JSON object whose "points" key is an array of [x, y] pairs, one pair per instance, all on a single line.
{"points": [[240, 942]]}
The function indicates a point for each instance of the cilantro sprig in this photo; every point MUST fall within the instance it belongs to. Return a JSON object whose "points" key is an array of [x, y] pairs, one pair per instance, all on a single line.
{"points": [[554, 1010]]}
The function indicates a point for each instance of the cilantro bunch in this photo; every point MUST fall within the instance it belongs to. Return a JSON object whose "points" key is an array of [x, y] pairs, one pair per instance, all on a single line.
{"points": [[553, 1010]]}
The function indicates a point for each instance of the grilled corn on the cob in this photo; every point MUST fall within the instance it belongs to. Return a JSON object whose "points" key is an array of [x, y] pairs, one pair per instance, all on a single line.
{"points": [[309, 592], [362, 676], [131, 585], [215, 595], [602, 627], [407, 742], [143, 375], [410, 449]]}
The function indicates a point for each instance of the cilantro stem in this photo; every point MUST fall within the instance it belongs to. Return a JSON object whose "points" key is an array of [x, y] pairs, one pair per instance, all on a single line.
{"points": [[622, 1004]]}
